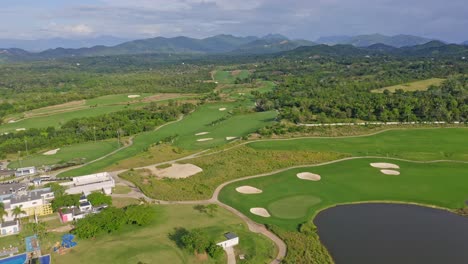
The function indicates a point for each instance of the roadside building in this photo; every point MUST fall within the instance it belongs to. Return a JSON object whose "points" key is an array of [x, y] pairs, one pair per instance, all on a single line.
{"points": [[36, 202], [71, 213], [231, 240], [90, 183], [26, 171]]}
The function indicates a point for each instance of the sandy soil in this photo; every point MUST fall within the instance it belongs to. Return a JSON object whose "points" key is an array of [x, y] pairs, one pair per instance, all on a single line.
{"points": [[260, 212], [222, 109], [248, 190], [134, 96], [309, 176], [390, 172], [230, 138], [204, 139], [177, 171], [20, 129], [383, 165], [51, 152], [201, 133]]}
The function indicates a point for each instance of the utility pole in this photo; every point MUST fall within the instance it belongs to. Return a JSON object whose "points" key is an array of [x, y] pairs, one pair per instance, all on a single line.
{"points": [[94, 132]]}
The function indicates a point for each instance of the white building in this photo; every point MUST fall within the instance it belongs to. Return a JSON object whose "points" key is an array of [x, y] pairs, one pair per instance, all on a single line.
{"points": [[89, 183], [231, 240], [25, 171], [9, 228], [35, 202], [85, 208]]}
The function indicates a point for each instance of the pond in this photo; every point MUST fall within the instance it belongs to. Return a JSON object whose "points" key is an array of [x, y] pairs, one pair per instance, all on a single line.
{"points": [[393, 233]]}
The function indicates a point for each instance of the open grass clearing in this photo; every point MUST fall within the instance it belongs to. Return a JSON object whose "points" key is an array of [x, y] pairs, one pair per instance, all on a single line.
{"points": [[230, 76], [439, 184], [121, 189], [206, 118], [84, 151], [153, 242], [412, 86]]}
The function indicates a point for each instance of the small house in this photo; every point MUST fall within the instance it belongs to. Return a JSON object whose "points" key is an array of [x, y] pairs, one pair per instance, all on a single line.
{"points": [[231, 240], [25, 171], [9, 228]]}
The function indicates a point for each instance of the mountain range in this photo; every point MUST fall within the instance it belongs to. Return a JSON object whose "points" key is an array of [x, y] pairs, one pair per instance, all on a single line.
{"points": [[397, 41], [38, 45]]}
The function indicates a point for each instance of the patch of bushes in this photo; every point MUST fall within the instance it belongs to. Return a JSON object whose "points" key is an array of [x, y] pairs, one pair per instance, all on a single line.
{"points": [[197, 241]]}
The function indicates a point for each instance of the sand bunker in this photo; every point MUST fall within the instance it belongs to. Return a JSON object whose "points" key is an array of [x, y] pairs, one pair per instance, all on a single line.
{"points": [[383, 165], [177, 171], [201, 133], [134, 96], [248, 190], [260, 212], [230, 138], [309, 176], [51, 152], [390, 172], [204, 139], [222, 109], [20, 129]]}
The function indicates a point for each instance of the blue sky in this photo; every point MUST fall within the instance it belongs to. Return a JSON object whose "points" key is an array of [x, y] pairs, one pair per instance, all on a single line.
{"points": [[309, 19]]}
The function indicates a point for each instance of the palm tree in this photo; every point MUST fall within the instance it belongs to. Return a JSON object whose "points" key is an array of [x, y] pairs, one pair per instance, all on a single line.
{"points": [[17, 211], [2, 212]]}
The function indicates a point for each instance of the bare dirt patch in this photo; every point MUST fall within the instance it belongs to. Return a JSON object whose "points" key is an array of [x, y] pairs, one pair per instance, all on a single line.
{"points": [[260, 212], [51, 152], [390, 172], [309, 176], [177, 171], [248, 190], [383, 165], [204, 139]]}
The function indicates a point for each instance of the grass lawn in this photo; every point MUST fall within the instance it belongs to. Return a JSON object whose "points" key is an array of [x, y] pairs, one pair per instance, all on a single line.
{"points": [[228, 77], [412, 86], [121, 202], [121, 189], [292, 201], [151, 243], [104, 105], [199, 121], [414, 144], [88, 151]]}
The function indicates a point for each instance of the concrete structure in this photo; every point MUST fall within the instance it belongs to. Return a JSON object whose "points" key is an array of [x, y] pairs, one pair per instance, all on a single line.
{"points": [[71, 213], [89, 183], [9, 228], [36, 202], [231, 240], [26, 171]]}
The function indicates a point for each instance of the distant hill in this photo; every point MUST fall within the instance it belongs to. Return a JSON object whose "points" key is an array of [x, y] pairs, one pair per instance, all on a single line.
{"points": [[368, 40], [52, 43], [271, 44], [465, 43]]}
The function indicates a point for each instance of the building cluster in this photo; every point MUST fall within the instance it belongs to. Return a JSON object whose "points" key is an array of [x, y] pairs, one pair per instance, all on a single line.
{"points": [[90, 183], [72, 213]]}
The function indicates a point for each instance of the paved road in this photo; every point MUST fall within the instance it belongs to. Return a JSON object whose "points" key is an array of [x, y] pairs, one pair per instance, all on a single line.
{"points": [[231, 256]]}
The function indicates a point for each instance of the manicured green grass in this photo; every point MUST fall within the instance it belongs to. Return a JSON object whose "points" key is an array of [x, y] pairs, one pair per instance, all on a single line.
{"points": [[87, 151], [414, 144], [292, 201], [185, 130], [412, 86], [228, 77], [120, 189], [152, 244]]}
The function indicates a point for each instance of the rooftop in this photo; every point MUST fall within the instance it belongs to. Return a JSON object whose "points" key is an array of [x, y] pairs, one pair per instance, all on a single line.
{"points": [[8, 188], [9, 223], [230, 235]]}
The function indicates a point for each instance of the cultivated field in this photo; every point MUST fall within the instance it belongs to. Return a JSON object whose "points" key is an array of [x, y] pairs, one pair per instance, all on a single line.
{"points": [[150, 243], [85, 152], [291, 200], [412, 86]]}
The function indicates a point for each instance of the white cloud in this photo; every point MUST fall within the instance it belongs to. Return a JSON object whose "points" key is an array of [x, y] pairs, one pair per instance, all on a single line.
{"points": [[181, 5], [55, 29]]}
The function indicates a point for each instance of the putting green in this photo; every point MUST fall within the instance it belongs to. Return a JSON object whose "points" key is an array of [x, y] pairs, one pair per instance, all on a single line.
{"points": [[443, 184], [293, 207]]}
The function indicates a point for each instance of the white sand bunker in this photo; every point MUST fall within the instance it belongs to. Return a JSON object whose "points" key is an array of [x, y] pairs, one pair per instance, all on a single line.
{"points": [[230, 138], [260, 212], [390, 172], [177, 171], [134, 96], [309, 176], [204, 139], [20, 129], [222, 109], [201, 133], [383, 165], [248, 190], [51, 152]]}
